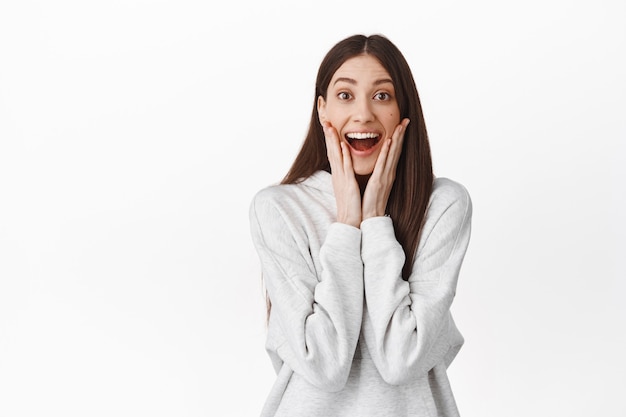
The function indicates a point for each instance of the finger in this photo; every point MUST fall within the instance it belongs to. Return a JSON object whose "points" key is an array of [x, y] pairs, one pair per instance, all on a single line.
{"points": [[381, 161], [347, 159], [342, 159], [390, 151], [330, 136], [398, 134], [333, 149], [397, 139]]}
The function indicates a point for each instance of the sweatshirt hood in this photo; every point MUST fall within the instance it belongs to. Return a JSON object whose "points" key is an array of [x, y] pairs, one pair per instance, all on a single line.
{"points": [[320, 180]]}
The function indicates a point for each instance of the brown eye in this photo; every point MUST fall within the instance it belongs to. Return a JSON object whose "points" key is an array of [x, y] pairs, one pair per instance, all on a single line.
{"points": [[382, 96], [343, 96]]}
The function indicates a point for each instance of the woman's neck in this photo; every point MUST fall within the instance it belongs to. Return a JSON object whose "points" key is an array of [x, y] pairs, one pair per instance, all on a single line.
{"points": [[362, 181]]}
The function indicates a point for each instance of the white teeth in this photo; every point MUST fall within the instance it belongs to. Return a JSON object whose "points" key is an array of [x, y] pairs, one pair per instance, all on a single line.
{"points": [[368, 135]]}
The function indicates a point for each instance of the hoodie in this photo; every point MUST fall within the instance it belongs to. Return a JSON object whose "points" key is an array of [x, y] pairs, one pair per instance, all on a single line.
{"points": [[347, 336]]}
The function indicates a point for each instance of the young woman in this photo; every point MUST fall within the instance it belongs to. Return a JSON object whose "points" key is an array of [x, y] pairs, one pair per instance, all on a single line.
{"points": [[360, 248]]}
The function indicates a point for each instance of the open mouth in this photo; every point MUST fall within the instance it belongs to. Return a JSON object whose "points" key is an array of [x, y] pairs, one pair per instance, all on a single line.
{"points": [[362, 141]]}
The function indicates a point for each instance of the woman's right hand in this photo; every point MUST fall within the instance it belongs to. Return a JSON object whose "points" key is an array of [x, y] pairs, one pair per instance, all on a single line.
{"points": [[347, 193]]}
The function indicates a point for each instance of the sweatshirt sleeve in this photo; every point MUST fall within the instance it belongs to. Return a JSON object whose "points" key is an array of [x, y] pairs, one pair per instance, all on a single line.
{"points": [[318, 312], [407, 325]]}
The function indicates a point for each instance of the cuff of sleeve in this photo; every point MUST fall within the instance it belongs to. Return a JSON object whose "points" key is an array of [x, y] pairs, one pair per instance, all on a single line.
{"points": [[377, 231], [342, 236]]}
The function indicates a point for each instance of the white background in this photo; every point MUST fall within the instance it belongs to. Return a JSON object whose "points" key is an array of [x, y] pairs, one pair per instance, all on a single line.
{"points": [[133, 135]]}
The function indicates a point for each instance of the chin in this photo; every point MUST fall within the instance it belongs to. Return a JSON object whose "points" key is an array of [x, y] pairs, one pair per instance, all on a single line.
{"points": [[363, 170], [364, 167]]}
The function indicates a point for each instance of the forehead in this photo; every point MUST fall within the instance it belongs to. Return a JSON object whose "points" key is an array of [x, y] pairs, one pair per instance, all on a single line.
{"points": [[364, 69]]}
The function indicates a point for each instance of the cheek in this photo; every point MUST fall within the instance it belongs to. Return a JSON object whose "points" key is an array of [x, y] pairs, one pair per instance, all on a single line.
{"points": [[393, 120], [335, 116]]}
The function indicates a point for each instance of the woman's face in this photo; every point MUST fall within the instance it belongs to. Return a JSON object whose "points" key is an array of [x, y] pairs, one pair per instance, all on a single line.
{"points": [[361, 105]]}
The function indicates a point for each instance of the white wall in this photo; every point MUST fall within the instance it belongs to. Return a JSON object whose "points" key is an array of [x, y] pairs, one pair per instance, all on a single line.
{"points": [[133, 135]]}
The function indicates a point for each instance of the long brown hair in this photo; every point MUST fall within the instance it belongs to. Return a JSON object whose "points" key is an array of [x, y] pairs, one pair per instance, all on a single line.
{"points": [[413, 185]]}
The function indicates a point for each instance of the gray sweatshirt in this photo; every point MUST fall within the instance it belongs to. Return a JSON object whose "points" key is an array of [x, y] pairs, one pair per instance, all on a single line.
{"points": [[347, 335]]}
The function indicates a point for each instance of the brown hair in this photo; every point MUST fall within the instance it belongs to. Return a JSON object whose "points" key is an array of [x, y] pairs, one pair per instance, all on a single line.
{"points": [[412, 187]]}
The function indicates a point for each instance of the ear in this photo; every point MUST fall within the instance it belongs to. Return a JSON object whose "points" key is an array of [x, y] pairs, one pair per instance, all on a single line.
{"points": [[321, 109]]}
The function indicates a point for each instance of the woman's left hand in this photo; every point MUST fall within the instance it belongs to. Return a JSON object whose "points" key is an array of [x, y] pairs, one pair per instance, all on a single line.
{"points": [[380, 183]]}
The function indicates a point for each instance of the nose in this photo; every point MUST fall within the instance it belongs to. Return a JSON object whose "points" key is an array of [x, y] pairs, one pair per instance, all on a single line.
{"points": [[363, 111]]}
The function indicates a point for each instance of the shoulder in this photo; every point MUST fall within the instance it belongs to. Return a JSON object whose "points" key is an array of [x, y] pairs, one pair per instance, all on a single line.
{"points": [[294, 208], [447, 192], [445, 233], [268, 200], [310, 192], [450, 204], [265, 213], [270, 193]]}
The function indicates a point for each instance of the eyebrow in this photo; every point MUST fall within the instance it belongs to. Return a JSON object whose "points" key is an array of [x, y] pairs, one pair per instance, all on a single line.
{"points": [[353, 81]]}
